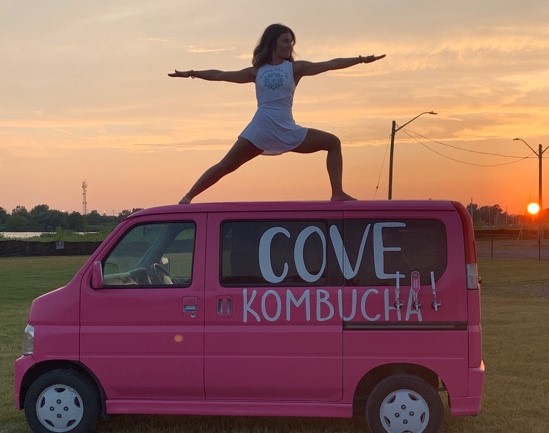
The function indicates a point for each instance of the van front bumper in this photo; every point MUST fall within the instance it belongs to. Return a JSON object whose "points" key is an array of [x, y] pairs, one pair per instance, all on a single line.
{"points": [[22, 365]]}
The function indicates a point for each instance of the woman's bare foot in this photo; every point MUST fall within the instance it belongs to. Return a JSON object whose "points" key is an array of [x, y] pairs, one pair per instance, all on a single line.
{"points": [[185, 200], [342, 197]]}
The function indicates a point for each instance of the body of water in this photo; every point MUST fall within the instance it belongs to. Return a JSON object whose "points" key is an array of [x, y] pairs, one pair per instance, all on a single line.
{"points": [[20, 235], [26, 235]]}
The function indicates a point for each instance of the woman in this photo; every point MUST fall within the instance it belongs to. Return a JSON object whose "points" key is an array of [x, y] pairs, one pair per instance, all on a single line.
{"points": [[273, 130]]}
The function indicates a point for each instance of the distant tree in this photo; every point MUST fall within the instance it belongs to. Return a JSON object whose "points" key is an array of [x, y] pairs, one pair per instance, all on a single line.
{"points": [[93, 218], [76, 222], [18, 220], [44, 219], [57, 219], [20, 211], [3, 216], [39, 218], [488, 216], [16, 223], [126, 213]]}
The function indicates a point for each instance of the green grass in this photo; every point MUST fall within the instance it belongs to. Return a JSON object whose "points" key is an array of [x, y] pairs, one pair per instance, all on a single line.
{"points": [[515, 301], [21, 280]]}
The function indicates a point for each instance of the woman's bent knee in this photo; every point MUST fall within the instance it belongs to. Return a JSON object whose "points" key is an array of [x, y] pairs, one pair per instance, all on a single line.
{"points": [[336, 142], [333, 143], [319, 140]]}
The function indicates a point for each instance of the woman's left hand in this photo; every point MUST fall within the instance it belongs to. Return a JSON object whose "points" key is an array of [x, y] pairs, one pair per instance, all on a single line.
{"points": [[183, 74]]}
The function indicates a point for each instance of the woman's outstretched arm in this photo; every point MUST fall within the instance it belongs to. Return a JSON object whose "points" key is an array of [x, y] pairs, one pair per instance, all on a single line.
{"points": [[304, 68], [246, 75]]}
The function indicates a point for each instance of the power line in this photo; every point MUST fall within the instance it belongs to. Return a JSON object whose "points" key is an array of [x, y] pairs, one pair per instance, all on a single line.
{"points": [[462, 148], [519, 158], [381, 170]]}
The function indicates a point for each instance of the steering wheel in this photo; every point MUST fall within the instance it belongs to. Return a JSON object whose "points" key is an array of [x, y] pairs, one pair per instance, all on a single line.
{"points": [[162, 274]]}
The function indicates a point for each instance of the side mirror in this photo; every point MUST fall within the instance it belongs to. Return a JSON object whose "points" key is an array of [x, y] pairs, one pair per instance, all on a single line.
{"points": [[97, 276]]}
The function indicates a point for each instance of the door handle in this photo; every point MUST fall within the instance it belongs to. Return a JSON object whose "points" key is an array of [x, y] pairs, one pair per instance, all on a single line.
{"points": [[190, 306], [224, 307]]}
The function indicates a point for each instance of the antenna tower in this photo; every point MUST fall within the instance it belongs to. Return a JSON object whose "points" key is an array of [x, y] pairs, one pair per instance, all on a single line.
{"points": [[84, 197]]}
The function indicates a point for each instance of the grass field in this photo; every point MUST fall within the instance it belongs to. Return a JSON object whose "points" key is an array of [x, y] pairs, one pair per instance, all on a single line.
{"points": [[515, 297]]}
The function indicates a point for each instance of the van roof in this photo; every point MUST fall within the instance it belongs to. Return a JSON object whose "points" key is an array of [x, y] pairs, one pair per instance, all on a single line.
{"points": [[279, 206]]}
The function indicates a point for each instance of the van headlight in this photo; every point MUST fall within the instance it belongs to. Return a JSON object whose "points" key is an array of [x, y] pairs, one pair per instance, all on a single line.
{"points": [[28, 340]]}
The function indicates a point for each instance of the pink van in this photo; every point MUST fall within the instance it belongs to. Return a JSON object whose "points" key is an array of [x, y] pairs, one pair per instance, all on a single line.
{"points": [[312, 309]]}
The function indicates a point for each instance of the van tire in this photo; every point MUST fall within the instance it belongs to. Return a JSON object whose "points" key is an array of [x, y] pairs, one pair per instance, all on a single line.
{"points": [[62, 401], [404, 402]]}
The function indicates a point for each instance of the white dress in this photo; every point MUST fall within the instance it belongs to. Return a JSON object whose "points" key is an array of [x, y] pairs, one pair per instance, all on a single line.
{"points": [[273, 128]]}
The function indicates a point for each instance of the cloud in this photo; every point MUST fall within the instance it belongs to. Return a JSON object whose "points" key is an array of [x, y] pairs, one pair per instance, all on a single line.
{"points": [[155, 39], [200, 50], [201, 144]]}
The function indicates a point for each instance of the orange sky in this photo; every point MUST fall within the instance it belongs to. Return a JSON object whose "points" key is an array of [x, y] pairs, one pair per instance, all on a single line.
{"points": [[86, 97]]}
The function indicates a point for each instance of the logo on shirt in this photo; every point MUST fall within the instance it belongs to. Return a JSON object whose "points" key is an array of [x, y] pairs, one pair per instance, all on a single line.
{"points": [[273, 80]]}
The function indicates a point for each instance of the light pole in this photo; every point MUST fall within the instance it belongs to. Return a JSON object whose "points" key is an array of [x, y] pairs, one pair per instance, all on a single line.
{"points": [[394, 130], [539, 154]]}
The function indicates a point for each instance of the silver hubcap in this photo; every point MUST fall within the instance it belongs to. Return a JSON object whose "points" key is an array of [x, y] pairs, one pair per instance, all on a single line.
{"points": [[59, 408], [404, 411]]}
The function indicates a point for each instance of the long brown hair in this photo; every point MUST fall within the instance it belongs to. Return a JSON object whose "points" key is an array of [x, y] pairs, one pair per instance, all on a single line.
{"points": [[264, 50]]}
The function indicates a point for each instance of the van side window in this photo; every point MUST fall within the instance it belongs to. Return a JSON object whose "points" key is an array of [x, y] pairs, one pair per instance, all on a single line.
{"points": [[403, 246], [152, 255], [275, 253]]}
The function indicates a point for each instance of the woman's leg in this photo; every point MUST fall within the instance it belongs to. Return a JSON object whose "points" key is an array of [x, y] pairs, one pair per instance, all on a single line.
{"points": [[241, 152], [319, 140]]}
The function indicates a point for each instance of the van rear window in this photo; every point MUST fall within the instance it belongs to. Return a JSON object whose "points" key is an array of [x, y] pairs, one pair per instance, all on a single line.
{"points": [[357, 252], [263, 253], [401, 246]]}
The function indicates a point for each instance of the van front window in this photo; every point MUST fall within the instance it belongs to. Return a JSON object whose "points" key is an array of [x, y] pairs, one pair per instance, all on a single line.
{"points": [[152, 255]]}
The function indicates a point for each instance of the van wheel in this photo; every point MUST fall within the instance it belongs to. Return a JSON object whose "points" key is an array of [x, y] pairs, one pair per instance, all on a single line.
{"points": [[404, 404], [62, 401]]}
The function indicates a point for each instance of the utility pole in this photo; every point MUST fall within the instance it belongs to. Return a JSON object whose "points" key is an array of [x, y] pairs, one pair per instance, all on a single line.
{"points": [[394, 130], [539, 154]]}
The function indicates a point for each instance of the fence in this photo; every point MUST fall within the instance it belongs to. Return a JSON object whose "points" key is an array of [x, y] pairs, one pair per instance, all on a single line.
{"points": [[15, 248], [528, 244], [523, 244]]}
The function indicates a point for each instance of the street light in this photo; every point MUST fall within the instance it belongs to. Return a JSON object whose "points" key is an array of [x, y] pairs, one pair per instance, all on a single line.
{"points": [[394, 130], [539, 154]]}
